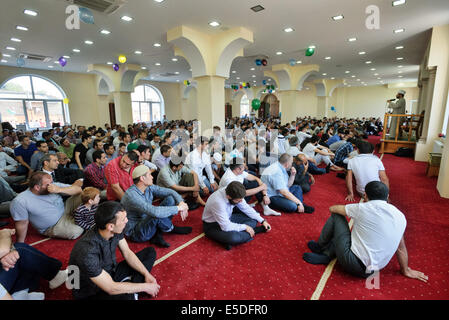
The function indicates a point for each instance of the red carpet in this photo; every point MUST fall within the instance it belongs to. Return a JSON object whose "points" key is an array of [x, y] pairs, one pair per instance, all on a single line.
{"points": [[271, 266]]}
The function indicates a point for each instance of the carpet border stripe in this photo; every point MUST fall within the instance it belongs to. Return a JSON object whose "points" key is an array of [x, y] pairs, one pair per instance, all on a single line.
{"points": [[178, 249]]}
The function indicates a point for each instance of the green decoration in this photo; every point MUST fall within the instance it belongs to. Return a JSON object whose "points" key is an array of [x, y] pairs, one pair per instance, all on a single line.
{"points": [[255, 104]]}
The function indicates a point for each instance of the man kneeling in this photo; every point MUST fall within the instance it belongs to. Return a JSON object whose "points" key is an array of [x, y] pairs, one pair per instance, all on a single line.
{"points": [[377, 234], [146, 221], [228, 219]]}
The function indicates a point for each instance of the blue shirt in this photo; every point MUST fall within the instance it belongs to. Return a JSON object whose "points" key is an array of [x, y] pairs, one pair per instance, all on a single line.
{"points": [[276, 179], [333, 139], [26, 154], [343, 152], [139, 205]]}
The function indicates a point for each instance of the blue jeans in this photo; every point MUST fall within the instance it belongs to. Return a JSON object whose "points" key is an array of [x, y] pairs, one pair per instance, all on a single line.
{"points": [[252, 185], [146, 229], [213, 230], [208, 185], [285, 205], [31, 266], [313, 169]]}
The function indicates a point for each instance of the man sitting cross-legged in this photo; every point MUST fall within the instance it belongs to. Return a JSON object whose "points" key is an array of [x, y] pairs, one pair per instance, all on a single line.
{"points": [[146, 221], [228, 219], [101, 278], [253, 185], [284, 195], [42, 205], [183, 180], [377, 234]]}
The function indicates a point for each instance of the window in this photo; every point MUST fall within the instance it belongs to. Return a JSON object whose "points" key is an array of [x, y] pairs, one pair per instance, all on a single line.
{"points": [[147, 104], [244, 106], [32, 102]]}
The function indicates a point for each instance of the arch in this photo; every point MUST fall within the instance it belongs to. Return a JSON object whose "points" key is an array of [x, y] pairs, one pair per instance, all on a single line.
{"points": [[320, 89], [127, 84], [232, 50], [37, 102], [236, 94], [146, 99], [335, 87], [284, 79], [245, 107], [189, 88], [304, 78], [192, 54], [103, 87]]}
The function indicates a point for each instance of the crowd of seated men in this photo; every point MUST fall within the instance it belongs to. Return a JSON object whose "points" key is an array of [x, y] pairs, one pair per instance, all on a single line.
{"points": [[104, 186]]}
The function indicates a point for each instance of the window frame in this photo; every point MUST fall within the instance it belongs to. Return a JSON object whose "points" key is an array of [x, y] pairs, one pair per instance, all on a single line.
{"points": [[149, 102]]}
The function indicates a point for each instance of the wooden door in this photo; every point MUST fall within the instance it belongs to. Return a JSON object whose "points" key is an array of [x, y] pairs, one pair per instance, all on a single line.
{"points": [[112, 114]]}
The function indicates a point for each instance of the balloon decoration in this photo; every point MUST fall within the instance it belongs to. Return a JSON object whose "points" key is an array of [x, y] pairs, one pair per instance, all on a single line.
{"points": [[255, 104], [187, 82], [86, 15], [258, 62], [66, 100], [292, 62], [122, 58], [116, 67], [62, 61], [20, 62], [264, 82], [310, 52], [264, 62], [333, 109], [241, 86]]}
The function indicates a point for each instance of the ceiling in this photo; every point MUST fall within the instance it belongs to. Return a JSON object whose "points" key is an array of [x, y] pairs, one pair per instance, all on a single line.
{"points": [[311, 20]]}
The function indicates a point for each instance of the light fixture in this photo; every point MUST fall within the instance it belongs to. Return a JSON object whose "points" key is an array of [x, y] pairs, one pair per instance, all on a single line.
{"points": [[362, 53], [333, 78], [373, 69], [324, 74], [279, 53], [76, 50], [252, 69], [327, 58], [399, 47], [400, 76], [6, 55], [158, 1], [347, 71], [126, 18], [289, 29], [398, 3], [399, 71], [138, 52], [16, 40], [22, 28], [353, 76], [56, 62], [4, 61], [109, 62], [399, 58], [177, 72], [379, 78], [257, 8], [312, 47], [400, 66], [368, 62], [214, 23], [358, 80], [11, 48], [156, 45], [104, 31], [376, 74], [299, 62], [339, 17], [238, 78], [399, 30], [88, 42], [66, 57], [144, 68], [233, 71], [30, 12], [253, 75], [174, 59], [352, 39], [157, 64], [51, 67]]}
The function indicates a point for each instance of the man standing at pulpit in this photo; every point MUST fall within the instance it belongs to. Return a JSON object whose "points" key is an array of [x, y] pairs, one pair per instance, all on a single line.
{"points": [[398, 107]]}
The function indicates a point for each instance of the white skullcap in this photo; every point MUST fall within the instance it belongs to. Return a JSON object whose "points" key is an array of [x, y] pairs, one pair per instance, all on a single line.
{"points": [[217, 157], [401, 92]]}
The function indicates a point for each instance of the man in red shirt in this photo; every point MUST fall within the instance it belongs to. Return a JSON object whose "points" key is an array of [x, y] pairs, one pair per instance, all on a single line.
{"points": [[118, 174]]}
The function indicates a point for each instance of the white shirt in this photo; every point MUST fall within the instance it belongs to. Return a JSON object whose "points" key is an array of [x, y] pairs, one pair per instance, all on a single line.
{"points": [[309, 150], [150, 165], [219, 209], [230, 176], [294, 151], [4, 161], [365, 168], [197, 163], [377, 231], [233, 154], [302, 136]]}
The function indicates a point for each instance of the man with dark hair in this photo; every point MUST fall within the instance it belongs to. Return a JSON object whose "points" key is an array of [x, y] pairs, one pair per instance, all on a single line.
{"points": [[51, 165], [377, 234], [98, 145], [42, 148], [224, 225], [67, 147], [164, 158], [145, 157], [23, 154], [42, 205], [344, 152], [80, 151], [109, 150], [365, 167], [148, 222], [94, 172], [118, 175], [101, 278]]}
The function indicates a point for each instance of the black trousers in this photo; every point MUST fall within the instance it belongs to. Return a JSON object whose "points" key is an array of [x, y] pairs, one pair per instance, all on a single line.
{"points": [[335, 239], [147, 256]]}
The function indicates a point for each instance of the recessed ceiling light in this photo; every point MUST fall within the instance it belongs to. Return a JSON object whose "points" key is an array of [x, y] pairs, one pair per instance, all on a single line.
{"points": [[399, 71], [233, 71], [324, 74], [400, 66], [339, 17], [373, 69], [327, 58], [379, 78], [257, 8], [76, 50], [51, 67], [109, 62], [16, 40], [398, 3], [312, 47], [238, 78], [138, 52], [253, 75], [299, 62], [177, 80], [156, 45], [352, 39], [88, 42], [333, 78], [399, 47], [214, 23], [174, 59], [353, 76], [6, 55], [399, 30], [126, 18], [368, 62], [400, 76], [157, 64], [362, 52], [399, 58], [4, 61], [144, 68], [56, 62], [358, 80], [376, 74], [11, 48], [252, 69], [30, 12], [177, 72], [347, 71], [254, 81], [158, 1], [22, 28], [104, 31], [289, 30], [279, 53], [66, 57]]}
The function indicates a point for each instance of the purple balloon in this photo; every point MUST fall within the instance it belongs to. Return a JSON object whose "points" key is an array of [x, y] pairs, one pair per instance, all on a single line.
{"points": [[116, 67], [62, 61]]}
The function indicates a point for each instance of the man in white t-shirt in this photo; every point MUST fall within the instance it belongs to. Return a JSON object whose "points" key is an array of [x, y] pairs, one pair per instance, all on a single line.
{"points": [[320, 154], [252, 184], [365, 167], [376, 236]]}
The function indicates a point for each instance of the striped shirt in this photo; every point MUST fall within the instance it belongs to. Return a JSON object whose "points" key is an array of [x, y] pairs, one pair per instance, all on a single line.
{"points": [[343, 152], [84, 217], [94, 176]]}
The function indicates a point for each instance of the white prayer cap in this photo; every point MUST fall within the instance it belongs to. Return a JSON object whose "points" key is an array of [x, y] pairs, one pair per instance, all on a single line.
{"points": [[217, 157], [401, 92]]}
